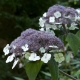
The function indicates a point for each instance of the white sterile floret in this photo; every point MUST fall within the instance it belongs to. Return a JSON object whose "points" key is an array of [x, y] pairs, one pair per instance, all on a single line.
{"points": [[78, 18], [44, 15], [51, 19], [34, 57], [41, 29], [57, 14], [46, 57], [73, 26], [25, 48], [27, 55], [42, 50], [53, 46], [41, 22], [6, 50], [52, 32], [59, 57], [78, 10], [10, 58], [14, 64], [48, 26], [14, 46]]}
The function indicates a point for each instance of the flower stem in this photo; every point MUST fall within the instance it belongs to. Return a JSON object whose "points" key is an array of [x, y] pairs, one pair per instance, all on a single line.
{"points": [[67, 75], [65, 28]]}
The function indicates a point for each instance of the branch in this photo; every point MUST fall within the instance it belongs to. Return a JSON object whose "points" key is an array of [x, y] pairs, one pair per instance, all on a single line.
{"points": [[65, 28], [67, 75]]}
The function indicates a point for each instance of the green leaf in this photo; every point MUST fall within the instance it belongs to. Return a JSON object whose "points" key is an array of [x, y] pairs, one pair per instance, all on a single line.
{"points": [[74, 42], [17, 78], [46, 73], [78, 34], [32, 69], [53, 67], [63, 37]]}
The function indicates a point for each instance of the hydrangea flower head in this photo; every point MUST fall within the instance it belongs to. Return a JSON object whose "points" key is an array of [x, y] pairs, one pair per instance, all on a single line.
{"points": [[35, 40], [59, 15], [30, 41]]}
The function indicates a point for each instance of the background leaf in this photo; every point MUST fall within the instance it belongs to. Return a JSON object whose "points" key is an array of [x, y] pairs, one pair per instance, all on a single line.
{"points": [[78, 34], [17, 78], [46, 73], [53, 67], [32, 69], [74, 42]]}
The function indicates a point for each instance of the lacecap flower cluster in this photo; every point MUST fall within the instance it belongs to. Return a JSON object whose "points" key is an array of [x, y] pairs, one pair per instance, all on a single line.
{"points": [[57, 17], [32, 45]]}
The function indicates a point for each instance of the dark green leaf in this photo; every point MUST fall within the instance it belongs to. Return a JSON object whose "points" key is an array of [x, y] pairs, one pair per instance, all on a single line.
{"points": [[74, 42], [63, 37], [53, 67], [78, 34], [46, 73], [32, 69]]}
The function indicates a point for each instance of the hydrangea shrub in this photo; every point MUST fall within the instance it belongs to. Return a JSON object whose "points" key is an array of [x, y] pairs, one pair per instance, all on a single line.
{"points": [[34, 48]]}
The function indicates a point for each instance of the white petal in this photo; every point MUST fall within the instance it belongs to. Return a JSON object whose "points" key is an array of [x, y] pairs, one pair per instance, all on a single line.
{"points": [[53, 46], [14, 64], [44, 15], [26, 45], [51, 19], [57, 14], [78, 10], [41, 22], [46, 57], [10, 58], [34, 57], [6, 50], [14, 46], [42, 29], [25, 48]]}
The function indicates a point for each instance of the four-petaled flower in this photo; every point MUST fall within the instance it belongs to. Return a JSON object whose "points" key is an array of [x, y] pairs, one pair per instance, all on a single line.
{"points": [[27, 55], [6, 50], [57, 14], [34, 57], [25, 48], [41, 22], [59, 57], [52, 19], [10, 58], [73, 26], [46, 57]]}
